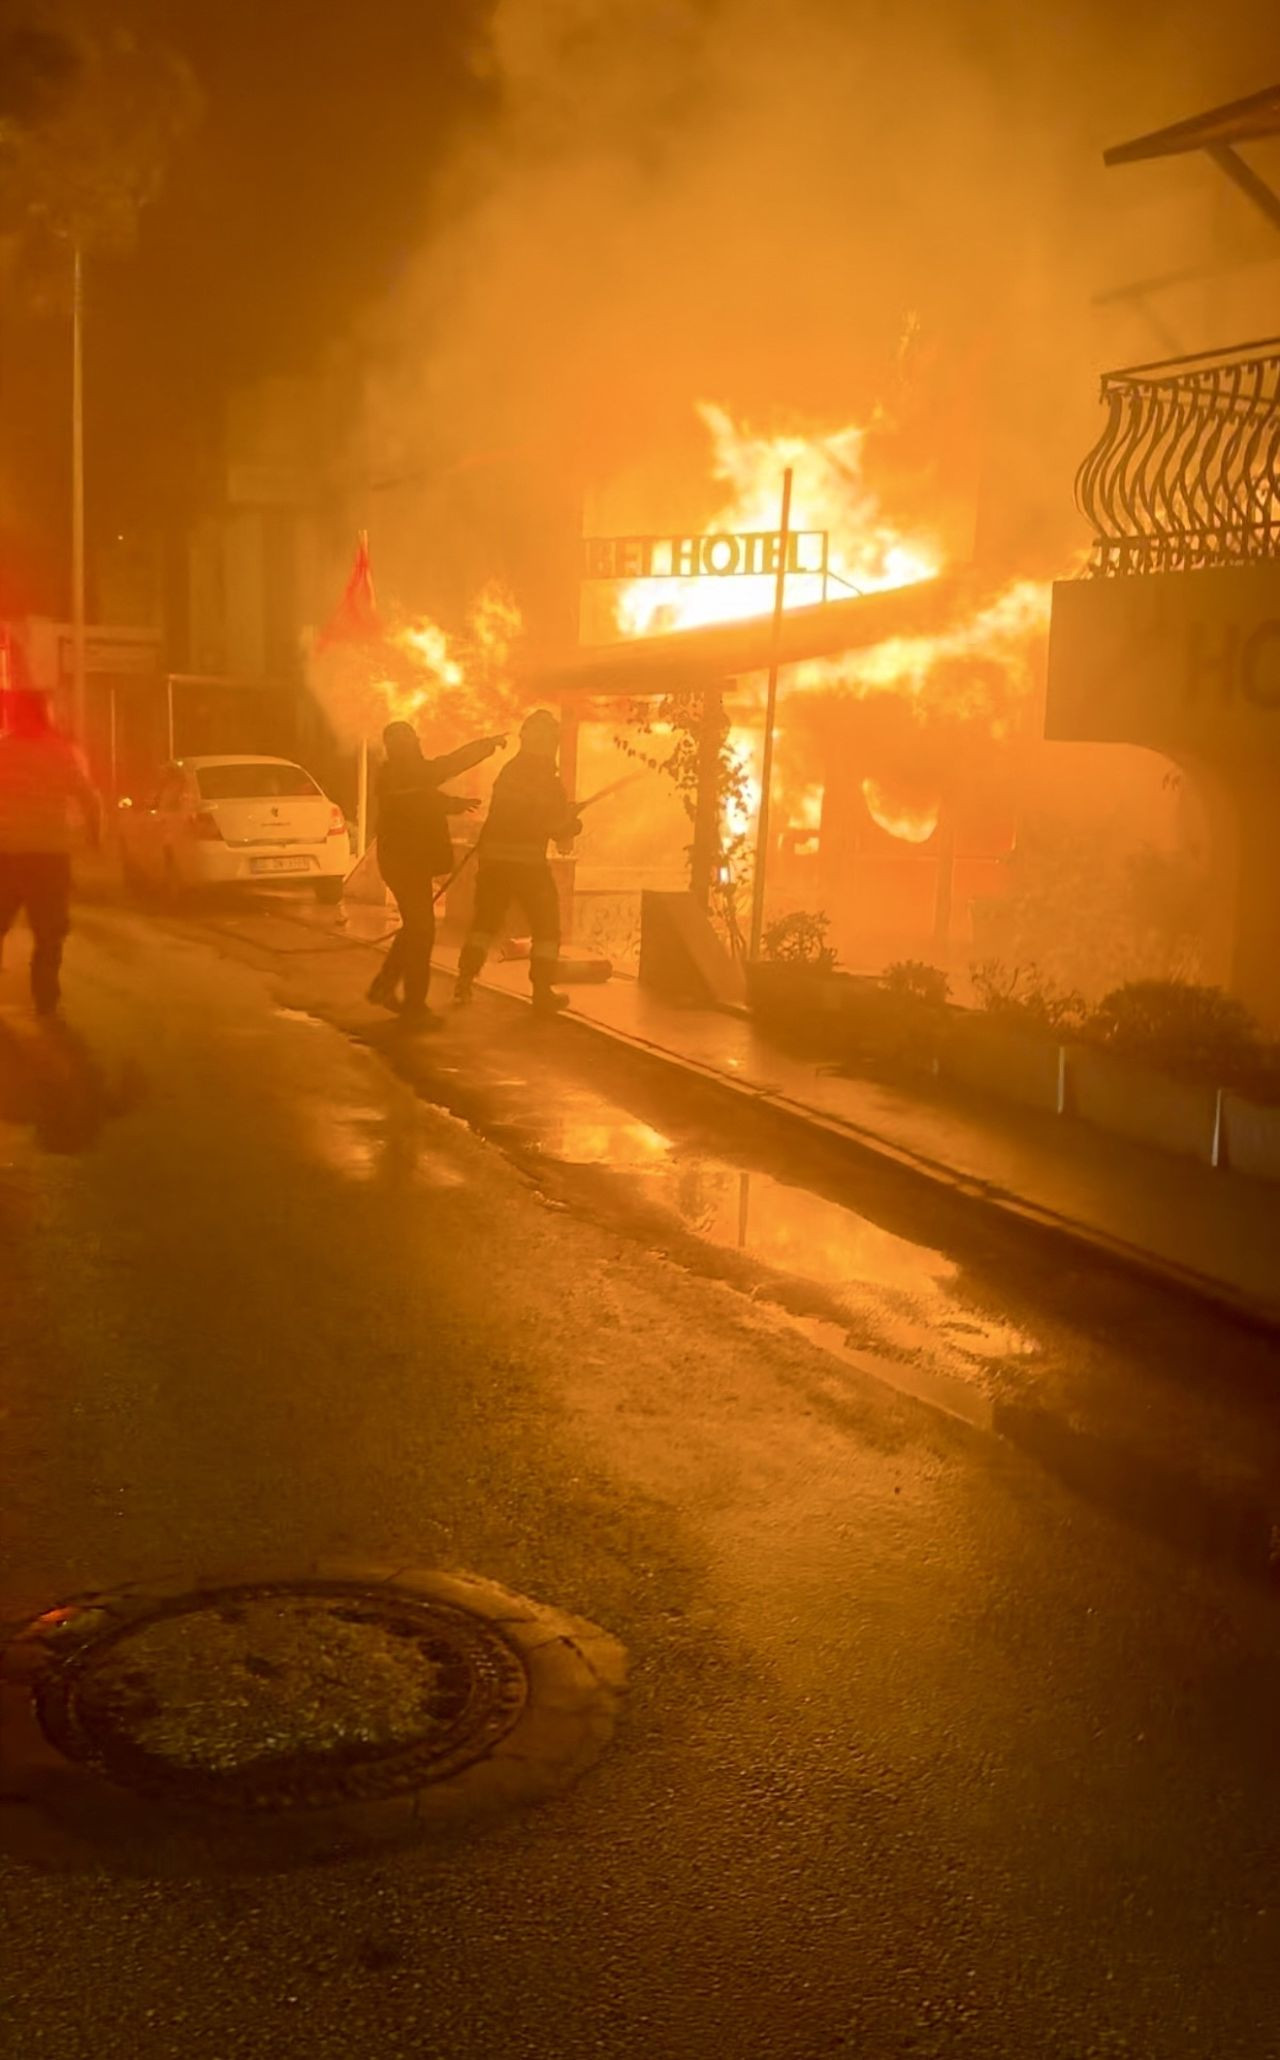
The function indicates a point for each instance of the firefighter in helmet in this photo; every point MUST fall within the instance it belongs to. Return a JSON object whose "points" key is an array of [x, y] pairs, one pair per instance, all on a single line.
{"points": [[414, 846], [527, 809]]}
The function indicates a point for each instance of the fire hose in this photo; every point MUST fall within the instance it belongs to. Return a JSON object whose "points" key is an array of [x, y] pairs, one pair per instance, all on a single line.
{"points": [[579, 808]]}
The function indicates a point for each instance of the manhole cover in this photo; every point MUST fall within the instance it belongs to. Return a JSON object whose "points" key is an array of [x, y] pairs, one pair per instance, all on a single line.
{"points": [[293, 1695]]}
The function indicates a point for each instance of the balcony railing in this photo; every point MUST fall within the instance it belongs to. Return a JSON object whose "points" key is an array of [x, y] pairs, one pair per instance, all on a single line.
{"points": [[1186, 473]]}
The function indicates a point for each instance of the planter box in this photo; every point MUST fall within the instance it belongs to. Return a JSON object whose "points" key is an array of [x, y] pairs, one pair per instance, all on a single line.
{"points": [[894, 1034], [1252, 1137], [994, 1058], [775, 989], [1136, 1101], [849, 1018], [804, 1008]]}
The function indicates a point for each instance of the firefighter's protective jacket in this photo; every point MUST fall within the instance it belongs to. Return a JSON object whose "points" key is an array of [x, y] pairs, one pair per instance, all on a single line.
{"points": [[413, 829], [527, 808]]}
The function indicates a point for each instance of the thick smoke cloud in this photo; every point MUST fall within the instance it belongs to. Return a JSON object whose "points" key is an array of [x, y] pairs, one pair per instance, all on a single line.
{"points": [[799, 211]]}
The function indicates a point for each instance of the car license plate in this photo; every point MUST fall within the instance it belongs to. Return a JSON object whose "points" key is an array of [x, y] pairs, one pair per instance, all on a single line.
{"points": [[279, 865]]}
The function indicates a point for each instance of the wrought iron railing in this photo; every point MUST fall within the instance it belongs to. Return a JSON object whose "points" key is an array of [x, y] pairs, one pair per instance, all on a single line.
{"points": [[1186, 472]]}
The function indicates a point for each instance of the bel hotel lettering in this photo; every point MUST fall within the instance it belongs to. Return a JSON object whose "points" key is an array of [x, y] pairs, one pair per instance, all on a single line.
{"points": [[724, 554]]}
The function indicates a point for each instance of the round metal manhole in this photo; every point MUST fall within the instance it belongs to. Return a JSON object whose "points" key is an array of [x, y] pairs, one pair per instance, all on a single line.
{"points": [[284, 1696]]}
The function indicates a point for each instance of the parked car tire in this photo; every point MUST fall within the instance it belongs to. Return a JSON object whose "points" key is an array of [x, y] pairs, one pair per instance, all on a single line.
{"points": [[329, 891]]}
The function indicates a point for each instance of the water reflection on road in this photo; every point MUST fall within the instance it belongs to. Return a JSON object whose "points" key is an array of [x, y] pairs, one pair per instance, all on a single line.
{"points": [[912, 1292], [891, 1297]]}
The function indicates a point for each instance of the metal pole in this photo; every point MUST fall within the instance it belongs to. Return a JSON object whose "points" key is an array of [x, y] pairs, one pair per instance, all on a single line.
{"points": [[945, 846], [705, 855], [362, 800], [567, 868], [79, 689], [770, 715], [114, 787], [168, 685]]}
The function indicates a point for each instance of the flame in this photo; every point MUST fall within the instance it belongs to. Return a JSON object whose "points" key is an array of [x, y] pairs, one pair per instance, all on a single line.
{"points": [[866, 553], [426, 675], [914, 825], [742, 802], [806, 810], [976, 670], [951, 669]]}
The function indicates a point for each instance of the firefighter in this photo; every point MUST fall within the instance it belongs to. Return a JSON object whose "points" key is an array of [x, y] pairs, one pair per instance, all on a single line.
{"points": [[43, 783], [413, 847], [527, 807]]}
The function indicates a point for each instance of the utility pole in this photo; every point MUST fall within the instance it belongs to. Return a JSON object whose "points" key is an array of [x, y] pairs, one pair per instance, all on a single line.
{"points": [[770, 718], [79, 693]]}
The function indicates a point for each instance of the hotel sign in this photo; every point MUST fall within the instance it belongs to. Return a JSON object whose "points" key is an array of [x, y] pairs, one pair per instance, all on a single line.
{"points": [[1173, 660], [724, 554]]}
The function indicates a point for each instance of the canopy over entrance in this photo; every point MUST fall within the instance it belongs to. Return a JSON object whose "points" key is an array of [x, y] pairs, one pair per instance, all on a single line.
{"points": [[1239, 121], [686, 659]]}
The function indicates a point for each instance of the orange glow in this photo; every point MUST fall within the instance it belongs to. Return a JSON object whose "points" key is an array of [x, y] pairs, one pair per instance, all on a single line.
{"points": [[867, 554], [913, 824], [806, 810], [948, 672], [975, 670], [741, 809], [804, 818], [423, 674]]}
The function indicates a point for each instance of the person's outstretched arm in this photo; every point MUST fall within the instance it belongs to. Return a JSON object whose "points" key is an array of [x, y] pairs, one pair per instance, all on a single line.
{"points": [[453, 762]]}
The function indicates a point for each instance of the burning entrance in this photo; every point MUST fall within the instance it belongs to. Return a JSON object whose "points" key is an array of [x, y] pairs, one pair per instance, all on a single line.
{"points": [[903, 702]]}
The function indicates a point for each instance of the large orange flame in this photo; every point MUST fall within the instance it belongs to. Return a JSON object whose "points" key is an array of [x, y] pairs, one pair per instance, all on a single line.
{"points": [[462, 679], [913, 823], [830, 492], [977, 673]]}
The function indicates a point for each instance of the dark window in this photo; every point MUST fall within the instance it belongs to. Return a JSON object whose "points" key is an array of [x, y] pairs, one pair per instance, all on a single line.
{"points": [[253, 782]]}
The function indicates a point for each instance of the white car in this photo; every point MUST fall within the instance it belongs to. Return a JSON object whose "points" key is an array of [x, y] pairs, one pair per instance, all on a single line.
{"points": [[235, 822]]}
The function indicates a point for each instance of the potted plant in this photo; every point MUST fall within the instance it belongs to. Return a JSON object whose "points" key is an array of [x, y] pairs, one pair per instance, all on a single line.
{"points": [[901, 1023], [794, 988]]}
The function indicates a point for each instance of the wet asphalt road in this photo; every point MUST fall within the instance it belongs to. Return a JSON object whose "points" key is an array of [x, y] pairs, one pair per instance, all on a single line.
{"points": [[923, 1755]]}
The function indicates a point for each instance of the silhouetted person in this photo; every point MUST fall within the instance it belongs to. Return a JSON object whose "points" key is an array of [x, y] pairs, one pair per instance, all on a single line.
{"points": [[528, 806], [43, 783], [414, 847]]}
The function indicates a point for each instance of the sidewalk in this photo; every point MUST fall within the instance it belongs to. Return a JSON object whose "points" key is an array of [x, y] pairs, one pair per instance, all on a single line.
{"points": [[1215, 1234]]}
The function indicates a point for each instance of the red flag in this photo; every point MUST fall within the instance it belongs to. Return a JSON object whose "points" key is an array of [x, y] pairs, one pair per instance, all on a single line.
{"points": [[355, 620]]}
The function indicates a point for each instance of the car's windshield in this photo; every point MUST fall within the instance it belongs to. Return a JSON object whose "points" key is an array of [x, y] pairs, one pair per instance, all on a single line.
{"points": [[253, 782]]}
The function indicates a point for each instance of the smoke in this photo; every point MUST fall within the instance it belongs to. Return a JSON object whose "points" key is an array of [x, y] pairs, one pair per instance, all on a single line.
{"points": [[801, 213]]}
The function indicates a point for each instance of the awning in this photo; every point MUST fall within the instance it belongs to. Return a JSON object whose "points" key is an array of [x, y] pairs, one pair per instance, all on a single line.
{"points": [[1239, 121], [691, 658]]}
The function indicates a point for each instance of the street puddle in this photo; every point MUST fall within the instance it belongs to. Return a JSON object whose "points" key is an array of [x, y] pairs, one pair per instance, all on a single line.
{"points": [[909, 1291], [367, 1144]]}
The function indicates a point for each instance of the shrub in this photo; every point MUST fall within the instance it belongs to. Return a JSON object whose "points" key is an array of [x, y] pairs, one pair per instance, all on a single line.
{"points": [[799, 940], [1182, 1027], [1023, 995], [916, 981]]}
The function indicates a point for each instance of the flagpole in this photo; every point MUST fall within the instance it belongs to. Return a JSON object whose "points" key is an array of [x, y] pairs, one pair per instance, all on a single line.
{"points": [[362, 801]]}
